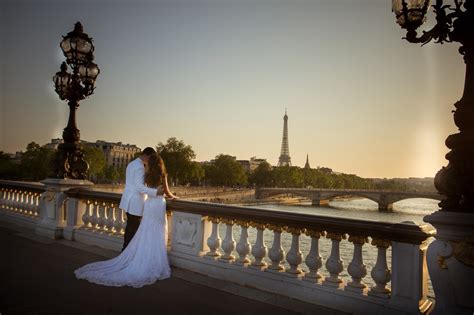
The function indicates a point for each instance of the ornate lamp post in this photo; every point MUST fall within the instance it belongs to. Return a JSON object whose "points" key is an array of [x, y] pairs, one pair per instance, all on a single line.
{"points": [[78, 49], [451, 256]]}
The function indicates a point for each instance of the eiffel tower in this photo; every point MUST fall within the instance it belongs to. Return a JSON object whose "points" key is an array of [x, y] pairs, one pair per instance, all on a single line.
{"points": [[285, 159]]}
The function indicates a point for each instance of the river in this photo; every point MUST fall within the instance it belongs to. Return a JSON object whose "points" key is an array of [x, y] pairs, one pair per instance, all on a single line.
{"points": [[407, 210]]}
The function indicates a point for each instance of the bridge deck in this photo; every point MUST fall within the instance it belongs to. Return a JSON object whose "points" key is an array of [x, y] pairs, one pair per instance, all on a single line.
{"points": [[37, 277]]}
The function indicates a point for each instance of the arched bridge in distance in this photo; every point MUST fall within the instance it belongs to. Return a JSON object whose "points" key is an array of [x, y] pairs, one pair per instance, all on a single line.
{"points": [[321, 197]]}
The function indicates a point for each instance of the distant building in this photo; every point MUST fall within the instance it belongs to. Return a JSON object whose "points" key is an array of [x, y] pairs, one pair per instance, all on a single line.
{"points": [[213, 161], [254, 163], [53, 145], [245, 164], [326, 170], [15, 157], [116, 154], [250, 165]]}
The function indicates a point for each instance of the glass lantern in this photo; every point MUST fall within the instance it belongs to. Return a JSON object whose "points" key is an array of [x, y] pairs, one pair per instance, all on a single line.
{"points": [[410, 14]]}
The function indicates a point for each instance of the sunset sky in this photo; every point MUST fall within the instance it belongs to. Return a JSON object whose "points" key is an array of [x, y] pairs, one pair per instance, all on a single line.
{"points": [[219, 74]]}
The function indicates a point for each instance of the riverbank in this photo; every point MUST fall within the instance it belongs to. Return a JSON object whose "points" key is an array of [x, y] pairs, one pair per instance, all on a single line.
{"points": [[225, 195]]}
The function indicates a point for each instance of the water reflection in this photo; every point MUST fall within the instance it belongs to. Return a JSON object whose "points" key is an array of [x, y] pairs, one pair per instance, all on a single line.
{"points": [[364, 209]]}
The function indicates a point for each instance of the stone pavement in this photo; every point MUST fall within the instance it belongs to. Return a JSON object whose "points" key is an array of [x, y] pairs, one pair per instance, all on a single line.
{"points": [[37, 277]]}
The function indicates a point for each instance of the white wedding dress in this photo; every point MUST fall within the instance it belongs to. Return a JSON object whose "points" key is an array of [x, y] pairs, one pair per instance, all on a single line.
{"points": [[145, 259]]}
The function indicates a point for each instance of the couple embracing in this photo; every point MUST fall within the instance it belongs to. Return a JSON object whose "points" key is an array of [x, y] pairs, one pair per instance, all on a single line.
{"points": [[143, 259]]}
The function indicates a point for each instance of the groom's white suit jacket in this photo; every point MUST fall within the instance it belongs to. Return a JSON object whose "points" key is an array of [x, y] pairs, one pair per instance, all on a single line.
{"points": [[134, 194]]}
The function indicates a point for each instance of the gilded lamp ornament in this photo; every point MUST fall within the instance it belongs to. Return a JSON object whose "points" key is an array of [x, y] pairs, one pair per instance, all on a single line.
{"points": [[73, 87]]}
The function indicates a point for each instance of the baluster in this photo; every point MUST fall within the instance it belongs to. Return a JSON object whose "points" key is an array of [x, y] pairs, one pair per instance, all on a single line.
{"points": [[119, 224], [24, 202], [11, 204], [27, 203], [276, 252], [2, 198], [19, 202], [31, 203], [228, 244], [102, 216], [243, 246], [110, 218], [214, 241], [10, 200], [294, 257], [259, 250], [36, 201], [334, 264], [87, 217], [380, 273], [95, 215], [313, 259], [357, 268], [124, 222], [15, 201], [6, 198]]}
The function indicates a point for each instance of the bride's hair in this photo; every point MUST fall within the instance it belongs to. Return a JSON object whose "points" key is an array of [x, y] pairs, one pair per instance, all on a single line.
{"points": [[155, 172]]}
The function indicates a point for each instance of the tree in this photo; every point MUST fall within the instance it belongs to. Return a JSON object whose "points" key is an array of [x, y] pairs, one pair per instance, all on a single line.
{"points": [[177, 157], [110, 174], [96, 159], [287, 176], [262, 176], [226, 171], [36, 162], [8, 168], [194, 174]]}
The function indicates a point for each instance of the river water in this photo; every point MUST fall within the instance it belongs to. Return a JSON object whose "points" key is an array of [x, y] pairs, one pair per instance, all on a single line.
{"points": [[406, 210]]}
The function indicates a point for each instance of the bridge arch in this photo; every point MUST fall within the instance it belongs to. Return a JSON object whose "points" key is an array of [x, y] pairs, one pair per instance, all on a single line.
{"points": [[330, 196], [321, 197]]}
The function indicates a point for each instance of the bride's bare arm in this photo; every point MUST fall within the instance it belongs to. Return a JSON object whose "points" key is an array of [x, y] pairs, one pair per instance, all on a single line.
{"points": [[166, 188]]}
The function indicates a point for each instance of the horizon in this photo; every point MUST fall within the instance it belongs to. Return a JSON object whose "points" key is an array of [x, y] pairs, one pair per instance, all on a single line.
{"points": [[219, 75], [238, 159]]}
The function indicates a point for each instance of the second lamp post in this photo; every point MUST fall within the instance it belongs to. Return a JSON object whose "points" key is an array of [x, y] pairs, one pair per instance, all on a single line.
{"points": [[73, 87]]}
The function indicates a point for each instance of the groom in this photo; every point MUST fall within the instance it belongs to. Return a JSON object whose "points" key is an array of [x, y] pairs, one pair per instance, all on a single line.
{"points": [[134, 194]]}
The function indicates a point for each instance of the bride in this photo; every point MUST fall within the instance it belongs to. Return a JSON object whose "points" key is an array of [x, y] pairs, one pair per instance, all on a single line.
{"points": [[144, 260]]}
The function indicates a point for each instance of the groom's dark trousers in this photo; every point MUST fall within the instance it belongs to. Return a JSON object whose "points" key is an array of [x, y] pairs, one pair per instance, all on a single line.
{"points": [[133, 222]]}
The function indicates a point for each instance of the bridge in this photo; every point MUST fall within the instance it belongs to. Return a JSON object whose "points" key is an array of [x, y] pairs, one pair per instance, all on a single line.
{"points": [[321, 197]]}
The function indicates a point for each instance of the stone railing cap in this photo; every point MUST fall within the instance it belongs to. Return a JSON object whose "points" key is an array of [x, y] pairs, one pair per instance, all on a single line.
{"points": [[32, 186]]}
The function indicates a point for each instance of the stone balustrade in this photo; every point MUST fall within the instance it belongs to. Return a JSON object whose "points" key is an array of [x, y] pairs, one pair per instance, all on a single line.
{"points": [[262, 248], [96, 218], [21, 201], [302, 275]]}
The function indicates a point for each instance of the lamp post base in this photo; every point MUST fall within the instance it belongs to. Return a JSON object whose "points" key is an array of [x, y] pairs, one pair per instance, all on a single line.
{"points": [[52, 202], [451, 262], [70, 162]]}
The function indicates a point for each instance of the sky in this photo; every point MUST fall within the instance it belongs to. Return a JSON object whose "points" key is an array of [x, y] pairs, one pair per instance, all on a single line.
{"points": [[218, 75]]}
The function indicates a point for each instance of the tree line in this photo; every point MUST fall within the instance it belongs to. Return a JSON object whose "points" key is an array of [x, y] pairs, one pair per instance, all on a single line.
{"points": [[36, 164]]}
